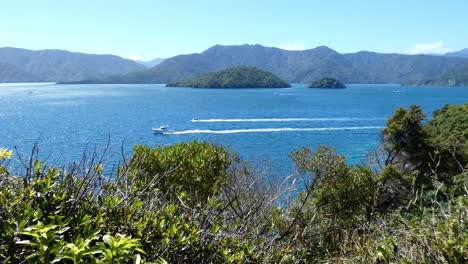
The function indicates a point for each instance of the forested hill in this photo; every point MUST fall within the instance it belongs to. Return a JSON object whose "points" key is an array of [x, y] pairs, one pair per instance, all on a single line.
{"points": [[236, 77], [22, 65], [457, 76], [9, 73], [297, 66]]}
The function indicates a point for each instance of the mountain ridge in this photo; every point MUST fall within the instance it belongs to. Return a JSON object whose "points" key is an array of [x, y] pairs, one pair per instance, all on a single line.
{"points": [[55, 65], [151, 63], [302, 66], [461, 53], [297, 66]]}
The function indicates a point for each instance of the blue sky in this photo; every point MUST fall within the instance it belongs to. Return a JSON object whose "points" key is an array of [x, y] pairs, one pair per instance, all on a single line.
{"points": [[148, 29]]}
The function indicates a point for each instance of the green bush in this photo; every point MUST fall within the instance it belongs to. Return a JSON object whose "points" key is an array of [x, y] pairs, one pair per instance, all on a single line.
{"points": [[438, 235], [341, 192], [196, 168]]}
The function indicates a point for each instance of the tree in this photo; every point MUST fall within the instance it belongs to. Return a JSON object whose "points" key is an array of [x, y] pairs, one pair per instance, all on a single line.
{"points": [[405, 139]]}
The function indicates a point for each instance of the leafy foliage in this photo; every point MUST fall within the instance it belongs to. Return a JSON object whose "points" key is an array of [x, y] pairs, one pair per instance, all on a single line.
{"points": [[195, 168], [449, 136], [433, 150], [451, 125], [4, 155], [404, 138], [436, 235], [236, 77], [338, 191]]}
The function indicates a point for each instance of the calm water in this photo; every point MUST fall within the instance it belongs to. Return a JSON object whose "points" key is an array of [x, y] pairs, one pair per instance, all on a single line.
{"points": [[260, 124]]}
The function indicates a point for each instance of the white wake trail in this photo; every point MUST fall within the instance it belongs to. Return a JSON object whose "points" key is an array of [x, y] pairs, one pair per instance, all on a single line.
{"points": [[266, 130], [217, 120]]}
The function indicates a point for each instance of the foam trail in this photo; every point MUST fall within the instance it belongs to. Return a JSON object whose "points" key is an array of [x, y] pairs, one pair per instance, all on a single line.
{"points": [[216, 120], [266, 130]]}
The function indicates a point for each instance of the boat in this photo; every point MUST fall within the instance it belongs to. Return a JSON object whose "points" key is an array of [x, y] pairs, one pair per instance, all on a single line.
{"points": [[162, 130]]}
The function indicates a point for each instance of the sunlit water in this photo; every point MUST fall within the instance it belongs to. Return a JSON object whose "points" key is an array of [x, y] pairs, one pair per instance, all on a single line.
{"points": [[259, 124]]}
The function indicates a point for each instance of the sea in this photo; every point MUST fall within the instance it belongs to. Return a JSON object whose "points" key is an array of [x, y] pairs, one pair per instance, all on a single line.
{"points": [[262, 125]]}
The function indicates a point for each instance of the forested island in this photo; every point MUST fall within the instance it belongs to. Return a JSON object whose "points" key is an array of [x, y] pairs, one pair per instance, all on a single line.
{"points": [[235, 77], [195, 202], [327, 83]]}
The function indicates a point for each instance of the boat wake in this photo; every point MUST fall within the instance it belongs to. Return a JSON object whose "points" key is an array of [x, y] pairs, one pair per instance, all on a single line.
{"points": [[217, 120], [266, 130]]}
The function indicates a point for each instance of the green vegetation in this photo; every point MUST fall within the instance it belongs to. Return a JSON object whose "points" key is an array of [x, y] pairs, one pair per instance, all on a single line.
{"points": [[197, 203], [236, 77], [327, 83], [436, 152], [198, 168], [451, 126], [457, 76]]}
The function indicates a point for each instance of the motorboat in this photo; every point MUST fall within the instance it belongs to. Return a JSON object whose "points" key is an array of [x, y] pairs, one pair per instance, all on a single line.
{"points": [[162, 130]]}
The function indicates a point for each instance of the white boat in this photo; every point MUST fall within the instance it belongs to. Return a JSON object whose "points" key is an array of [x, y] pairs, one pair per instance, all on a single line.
{"points": [[162, 130]]}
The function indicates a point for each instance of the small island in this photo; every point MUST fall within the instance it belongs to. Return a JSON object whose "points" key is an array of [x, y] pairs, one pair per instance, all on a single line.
{"points": [[327, 83], [235, 77]]}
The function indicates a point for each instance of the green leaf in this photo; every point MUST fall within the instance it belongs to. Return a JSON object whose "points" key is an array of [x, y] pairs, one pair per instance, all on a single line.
{"points": [[108, 239]]}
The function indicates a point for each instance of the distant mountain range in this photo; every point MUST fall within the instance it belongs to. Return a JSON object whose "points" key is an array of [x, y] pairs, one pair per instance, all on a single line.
{"points": [[151, 63], [22, 65], [296, 66], [461, 53]]}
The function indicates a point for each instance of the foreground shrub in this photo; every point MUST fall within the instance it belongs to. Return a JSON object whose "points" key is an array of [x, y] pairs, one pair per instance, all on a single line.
{"points": [[437, 235], [81, 216], [196, 168], [337, 198]]}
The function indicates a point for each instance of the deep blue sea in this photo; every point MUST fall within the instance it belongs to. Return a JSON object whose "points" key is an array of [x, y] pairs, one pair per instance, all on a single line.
{"points": [[259, 124]]}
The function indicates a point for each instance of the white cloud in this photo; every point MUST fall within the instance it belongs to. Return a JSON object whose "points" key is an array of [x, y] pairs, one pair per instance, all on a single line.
{"points": [[438, 47], [134, 57], [298, 45]]}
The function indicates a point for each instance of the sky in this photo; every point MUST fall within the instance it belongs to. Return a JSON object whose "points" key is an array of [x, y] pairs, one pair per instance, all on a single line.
{"points": [[148, 29]]}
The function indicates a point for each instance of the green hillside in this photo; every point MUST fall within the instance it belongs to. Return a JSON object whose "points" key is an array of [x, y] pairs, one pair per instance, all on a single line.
{"points": [[236, 77], [457, 76], [60, 65]]}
